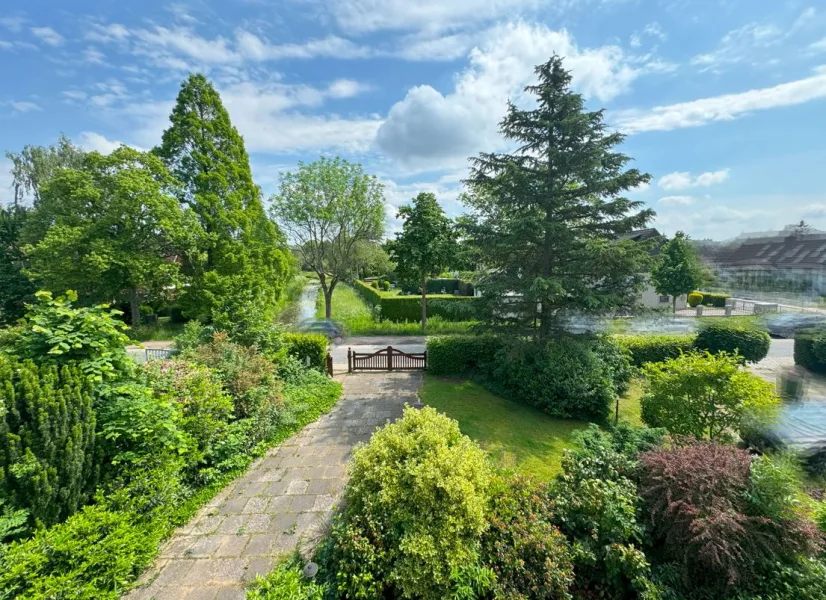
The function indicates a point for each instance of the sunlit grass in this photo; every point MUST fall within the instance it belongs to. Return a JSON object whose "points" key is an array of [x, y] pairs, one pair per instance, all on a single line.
{"points": [[163, 330]]}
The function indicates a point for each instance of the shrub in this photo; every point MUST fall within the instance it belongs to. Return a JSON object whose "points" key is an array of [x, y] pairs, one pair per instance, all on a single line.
{"points": [[696, 496], [374, 285], [529, 555], [176, 314], [286, 582], [810, 349], [618, 361], [409, 308], [695, 298], [47, 439], [370, 295], [414, 509], [385, 285], [646, 349], [462, 355], [703, 395], [308, 345], [735, 336], [564, 377], [712, 299]]}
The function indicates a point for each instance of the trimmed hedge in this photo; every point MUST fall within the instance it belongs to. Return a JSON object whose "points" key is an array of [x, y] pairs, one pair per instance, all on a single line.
{"points": [[695, 298], [712, 299], [409, 308], [312, 345], [646, 349], [462, 355], [450, 286], [735, 336], [810, 349], [371, 295]]}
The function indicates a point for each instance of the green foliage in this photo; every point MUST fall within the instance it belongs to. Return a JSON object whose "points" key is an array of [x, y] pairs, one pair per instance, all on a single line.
{"points": [[47, 439], [56, 331], [695, 299], [462, 355], [15, 287], [678, 269], [712, 299], [424, 246], [414, 509], [35, 165], [243, 262], [286, 582], [12, 522], [703, 395], [330, 207], [646, 349], [547, 216], [402, 309], [308, 345], [385, 285], [528, 554], [450, 286], [810, 349], [734, 336], [370, 294], [774, 487], [108, 229]]}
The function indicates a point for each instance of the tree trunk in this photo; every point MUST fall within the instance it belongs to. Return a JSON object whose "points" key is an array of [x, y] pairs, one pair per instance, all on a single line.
{"points": [[135, 305], [674, 304], [424, 302], [328, 303]]}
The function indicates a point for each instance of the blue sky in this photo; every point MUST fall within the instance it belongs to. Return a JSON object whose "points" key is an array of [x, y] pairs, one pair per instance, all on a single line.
{"points": [[723, 101]]}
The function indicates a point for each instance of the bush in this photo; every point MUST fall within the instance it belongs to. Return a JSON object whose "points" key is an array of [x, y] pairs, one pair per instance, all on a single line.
{"points": [[176, 314], [703, 395], [47, 439], [696, 496], [462, 355], [712, 299], [529, 555], [735, 336], [286, 582], [414, 510], [694, 299], [409, 308], [374, 285], [646, 349], [308, 345], [810, 349], [385, 285], [618, 361]]}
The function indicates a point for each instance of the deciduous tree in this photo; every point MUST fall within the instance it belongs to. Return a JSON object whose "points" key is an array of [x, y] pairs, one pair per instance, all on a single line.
{"points": [[15, 287], [678, 270], [548, 214], [329, 207], [33, 166]]}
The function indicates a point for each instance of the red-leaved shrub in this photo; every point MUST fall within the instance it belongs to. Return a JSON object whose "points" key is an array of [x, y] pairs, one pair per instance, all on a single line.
{"points": [[696, 496]]}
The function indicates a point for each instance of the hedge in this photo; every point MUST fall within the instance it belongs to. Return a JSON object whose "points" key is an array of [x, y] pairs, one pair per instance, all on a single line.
{"points": [[646, 349], [695, 298], [810, 349], [312, 345], [744, 337], [462, 355], [409, 308], [450, 286], [712, 299], [371, 295]]}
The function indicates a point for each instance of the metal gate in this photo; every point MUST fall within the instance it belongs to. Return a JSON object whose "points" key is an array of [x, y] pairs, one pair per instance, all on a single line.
{"points": [[389, 359]]}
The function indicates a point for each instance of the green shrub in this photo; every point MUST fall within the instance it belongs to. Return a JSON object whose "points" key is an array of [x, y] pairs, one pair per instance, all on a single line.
{"points": [[374, 285], [414, 510], [810, 349], [462, 355], [308, 345], [694, 299], [735, 336], [47, 439], [409, 308], [618, 361], [529, 555], [286, 582], [385, 285], [176, 314], [564, 377], [646, 349], [703, 395], [712, 299]]}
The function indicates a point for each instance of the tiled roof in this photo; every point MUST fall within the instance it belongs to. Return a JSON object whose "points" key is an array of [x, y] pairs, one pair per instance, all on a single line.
{"points": [[639, 235], [789, 251]]}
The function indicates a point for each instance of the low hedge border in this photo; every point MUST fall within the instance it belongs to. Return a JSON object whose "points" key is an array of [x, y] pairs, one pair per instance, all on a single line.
{"points": [[646, 349], [734, 335], [409, 308], [712, 299], [810, 349]]}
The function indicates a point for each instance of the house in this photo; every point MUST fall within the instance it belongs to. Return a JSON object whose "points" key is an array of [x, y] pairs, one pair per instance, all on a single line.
{"points": [[649, 298]]}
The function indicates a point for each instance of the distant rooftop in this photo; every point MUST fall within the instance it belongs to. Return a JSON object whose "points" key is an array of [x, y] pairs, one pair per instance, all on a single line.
{"points": [[639, 235], [784, 250]]}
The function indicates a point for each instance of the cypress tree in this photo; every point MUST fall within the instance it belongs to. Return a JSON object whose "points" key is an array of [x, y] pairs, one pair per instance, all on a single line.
{"points": [[47, 438], [246, 260]]}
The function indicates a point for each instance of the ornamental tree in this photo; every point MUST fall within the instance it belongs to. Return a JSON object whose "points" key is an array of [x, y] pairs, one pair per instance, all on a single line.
{"points": [[547, 215], [678, 270], [425, 244], [329, 208]]}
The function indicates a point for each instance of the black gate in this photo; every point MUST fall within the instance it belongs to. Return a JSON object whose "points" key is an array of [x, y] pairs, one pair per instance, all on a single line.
{"points": [[389, 359]]}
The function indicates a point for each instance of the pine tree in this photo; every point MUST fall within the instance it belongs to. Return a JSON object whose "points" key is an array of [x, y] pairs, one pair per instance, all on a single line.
{"points": [[547, 216], [47, 438], [246, 260]]}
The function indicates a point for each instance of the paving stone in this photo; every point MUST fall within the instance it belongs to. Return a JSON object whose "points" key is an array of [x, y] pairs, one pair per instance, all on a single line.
{"points": [[297, 486], [302, 503], [201, 593], [234, 524], [256, 504], [259, 545], [258, 523], [232, 545]]}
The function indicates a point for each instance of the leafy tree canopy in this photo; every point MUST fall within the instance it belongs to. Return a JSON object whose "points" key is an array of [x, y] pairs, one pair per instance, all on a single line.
{"points": [[15, 287], [678, 270], [33, 166], [547, 216]]}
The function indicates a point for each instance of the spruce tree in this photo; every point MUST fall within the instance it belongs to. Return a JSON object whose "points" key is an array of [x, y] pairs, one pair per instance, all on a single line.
{"points": [[246, 260], [47, 438], [547, 216]]}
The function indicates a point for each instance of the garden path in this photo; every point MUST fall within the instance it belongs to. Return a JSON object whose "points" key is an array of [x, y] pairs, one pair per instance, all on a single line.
{"points": [[284, 500]]}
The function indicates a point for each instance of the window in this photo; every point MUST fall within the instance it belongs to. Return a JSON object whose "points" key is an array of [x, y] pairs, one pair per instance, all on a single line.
{"points": [[665, 298]]}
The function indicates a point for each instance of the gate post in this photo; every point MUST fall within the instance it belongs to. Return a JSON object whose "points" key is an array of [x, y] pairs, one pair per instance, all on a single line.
{"points": [[425, 360], [329, 364], [390, 358], [349, 360]]}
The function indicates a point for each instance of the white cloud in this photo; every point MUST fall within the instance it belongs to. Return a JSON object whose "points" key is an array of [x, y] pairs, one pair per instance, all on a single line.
{"points": [[47, 35], [112, 32], [721, 108], [23, 106], [75, 94], [446, 47], [6, 45], [14, 24], [95, 142], [253, 47], [819, 46], [93, 56], [430, 127], [677, 200], [346, 88], [739, 45], [684, 180], [6, 190], [814, 211]]}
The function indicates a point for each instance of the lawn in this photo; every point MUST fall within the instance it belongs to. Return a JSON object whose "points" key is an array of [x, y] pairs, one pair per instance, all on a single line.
{"points": [[515, 435], [353, 311], [163, 330]]}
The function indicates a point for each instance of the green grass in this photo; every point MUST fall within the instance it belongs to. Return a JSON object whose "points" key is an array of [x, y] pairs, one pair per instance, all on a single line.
{"points": [[353, 311], [516, 436], [163, 330]]}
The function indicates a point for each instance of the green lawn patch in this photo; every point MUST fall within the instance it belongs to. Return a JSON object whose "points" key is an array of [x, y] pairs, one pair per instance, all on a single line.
{"points": [[515, 435], [163, 330]]}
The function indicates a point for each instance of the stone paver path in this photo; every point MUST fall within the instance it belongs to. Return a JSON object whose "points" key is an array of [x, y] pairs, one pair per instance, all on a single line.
{"points": [[284, 500]]}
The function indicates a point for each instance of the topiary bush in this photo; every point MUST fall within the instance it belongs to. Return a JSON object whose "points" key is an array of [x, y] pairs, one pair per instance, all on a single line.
{"points": [[810, 349], [413, 512], [385, 285], [703, 395], [528, 554], [734, 336], [695, 299], [462, 355], [644, 349]]}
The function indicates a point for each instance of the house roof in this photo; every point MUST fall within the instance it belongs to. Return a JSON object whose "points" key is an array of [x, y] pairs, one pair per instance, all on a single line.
{"points": [[787, 251], [639, 235]]}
